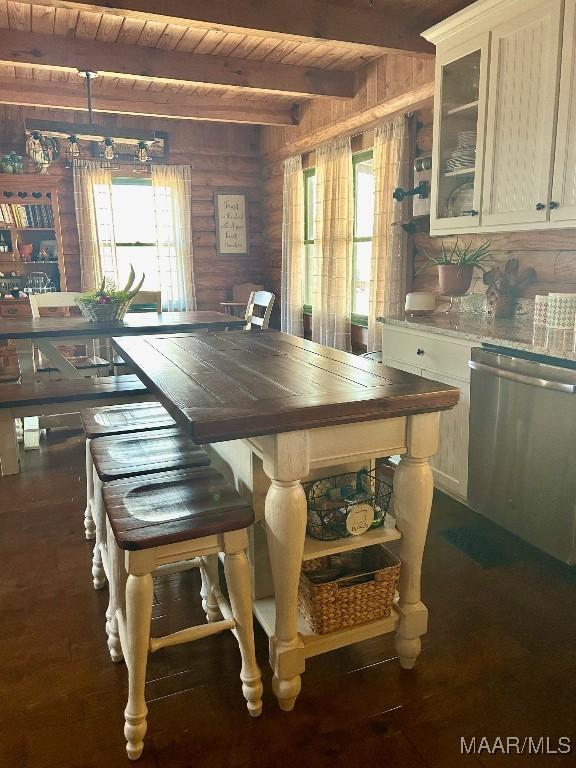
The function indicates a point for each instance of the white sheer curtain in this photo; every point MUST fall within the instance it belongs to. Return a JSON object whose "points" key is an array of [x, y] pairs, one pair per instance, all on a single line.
{"points": [[95, 221], [332, 263], [292, 289], [390, 241], [172, 188]]}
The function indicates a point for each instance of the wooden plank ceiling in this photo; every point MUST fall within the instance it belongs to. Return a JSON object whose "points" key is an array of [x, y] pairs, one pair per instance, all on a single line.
{"points": [[198, 61]]}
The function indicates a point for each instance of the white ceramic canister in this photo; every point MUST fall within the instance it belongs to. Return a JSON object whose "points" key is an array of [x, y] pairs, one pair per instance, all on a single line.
{"points": [[561, 311], [540, 309], [420, 303]]}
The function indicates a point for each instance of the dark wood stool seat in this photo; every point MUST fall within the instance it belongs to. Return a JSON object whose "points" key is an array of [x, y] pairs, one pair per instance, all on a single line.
{"points": [[139, 453], [117, 420], [121, 419], [151, 511]]}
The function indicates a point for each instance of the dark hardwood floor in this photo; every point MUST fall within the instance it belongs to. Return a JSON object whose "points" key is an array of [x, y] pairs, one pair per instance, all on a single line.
{"points": [[498, 660]]}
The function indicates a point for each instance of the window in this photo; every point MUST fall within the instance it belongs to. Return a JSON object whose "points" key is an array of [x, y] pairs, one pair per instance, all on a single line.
{"points": [[363, 227], [309, 208], [137, 220]]}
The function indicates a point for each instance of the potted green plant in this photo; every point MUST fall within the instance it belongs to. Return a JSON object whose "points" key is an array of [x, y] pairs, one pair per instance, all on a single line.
{"points": [[456, 266], [106, 304]]}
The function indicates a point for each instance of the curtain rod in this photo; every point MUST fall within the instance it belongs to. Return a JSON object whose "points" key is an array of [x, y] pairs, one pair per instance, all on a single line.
{"points": [[407, 115]]}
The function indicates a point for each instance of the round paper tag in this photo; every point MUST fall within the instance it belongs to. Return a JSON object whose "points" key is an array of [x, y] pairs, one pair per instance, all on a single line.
{"points": [[359, 519]]}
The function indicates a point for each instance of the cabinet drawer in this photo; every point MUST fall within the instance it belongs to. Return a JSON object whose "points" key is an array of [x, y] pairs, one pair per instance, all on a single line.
{"points": [[16, 308], [426, 350]]}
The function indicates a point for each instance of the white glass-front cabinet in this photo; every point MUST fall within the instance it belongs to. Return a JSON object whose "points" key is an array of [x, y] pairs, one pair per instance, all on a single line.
{"points": [[459, 125], [520, 120], [563, 203], [519, 56]]}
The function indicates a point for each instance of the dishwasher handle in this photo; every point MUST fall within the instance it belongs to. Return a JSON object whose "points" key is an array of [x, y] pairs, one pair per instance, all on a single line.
{"points": [[520, 378]]}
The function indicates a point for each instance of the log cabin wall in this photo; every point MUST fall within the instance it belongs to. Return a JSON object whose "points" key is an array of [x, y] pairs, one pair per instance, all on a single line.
{"points": [[221, 155]]}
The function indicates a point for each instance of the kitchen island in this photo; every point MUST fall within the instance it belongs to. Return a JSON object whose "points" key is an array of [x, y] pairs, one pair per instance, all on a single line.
{"points": [[278, 410]]}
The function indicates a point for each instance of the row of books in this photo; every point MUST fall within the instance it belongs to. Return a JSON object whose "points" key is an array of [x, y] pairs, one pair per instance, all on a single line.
{"points": [[39, 216]]}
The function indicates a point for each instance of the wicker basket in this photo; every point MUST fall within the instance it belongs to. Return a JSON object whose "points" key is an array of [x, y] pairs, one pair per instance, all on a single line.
{"points": [[363, 594], [332, 499], [104, 313]]}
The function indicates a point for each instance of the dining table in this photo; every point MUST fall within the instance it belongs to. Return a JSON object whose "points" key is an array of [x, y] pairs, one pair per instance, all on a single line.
{"points": [[274, 411], [44, 333]]}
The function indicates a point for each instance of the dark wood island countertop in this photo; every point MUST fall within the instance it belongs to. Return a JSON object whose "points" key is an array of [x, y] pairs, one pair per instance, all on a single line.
{"points": [[237, 384]]}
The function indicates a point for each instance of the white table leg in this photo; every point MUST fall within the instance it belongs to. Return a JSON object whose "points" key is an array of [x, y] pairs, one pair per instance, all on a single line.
{"points": [[413, 488], [31, 433], [285, 463], [65, 368], [25, 352], [9, 453]]}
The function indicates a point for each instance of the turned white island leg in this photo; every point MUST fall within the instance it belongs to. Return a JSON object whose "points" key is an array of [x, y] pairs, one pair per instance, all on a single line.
{"points": [[413, 489], [285, 463]]}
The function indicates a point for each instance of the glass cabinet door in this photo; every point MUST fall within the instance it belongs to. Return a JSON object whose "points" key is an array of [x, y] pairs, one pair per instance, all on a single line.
{"points": [[459, 137]]}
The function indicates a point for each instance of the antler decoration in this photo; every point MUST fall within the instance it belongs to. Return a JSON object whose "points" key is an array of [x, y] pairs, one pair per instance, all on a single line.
{"points": [[505, 286]]}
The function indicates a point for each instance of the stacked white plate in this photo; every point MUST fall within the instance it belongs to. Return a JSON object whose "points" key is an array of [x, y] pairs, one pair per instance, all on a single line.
{"points": [[464, 154]]}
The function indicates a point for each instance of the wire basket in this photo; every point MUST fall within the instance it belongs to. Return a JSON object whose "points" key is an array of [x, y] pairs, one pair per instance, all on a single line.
{"points": [[104, 313], [334, 503], [352, 588]]}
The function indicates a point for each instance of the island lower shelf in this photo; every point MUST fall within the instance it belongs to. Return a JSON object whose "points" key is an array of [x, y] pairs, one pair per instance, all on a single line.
{"points": [[319, 548], [313, 644]]}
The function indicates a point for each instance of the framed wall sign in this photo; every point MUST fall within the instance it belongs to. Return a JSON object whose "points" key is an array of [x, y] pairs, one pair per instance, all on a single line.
{"points": [[232, 238]]}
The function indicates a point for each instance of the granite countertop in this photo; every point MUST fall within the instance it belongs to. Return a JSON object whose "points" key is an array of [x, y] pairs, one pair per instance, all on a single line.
{"points": [[514, 333]]}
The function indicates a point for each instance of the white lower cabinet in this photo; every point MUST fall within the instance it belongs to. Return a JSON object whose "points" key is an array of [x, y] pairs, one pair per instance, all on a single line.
{"points": [[450, 464], [441, 359]]}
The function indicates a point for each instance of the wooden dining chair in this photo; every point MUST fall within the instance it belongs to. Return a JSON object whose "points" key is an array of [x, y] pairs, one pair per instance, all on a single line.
{"points": [[259, 309], [240, 296], [147, 301], [144, 301], [89, 363]]}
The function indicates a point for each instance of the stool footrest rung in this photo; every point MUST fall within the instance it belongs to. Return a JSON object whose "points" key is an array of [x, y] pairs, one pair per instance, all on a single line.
{"points": [[191, 633]]}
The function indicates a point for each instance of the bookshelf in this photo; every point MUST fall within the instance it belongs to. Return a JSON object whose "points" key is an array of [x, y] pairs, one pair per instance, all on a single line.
{"points": [[30, 232]]}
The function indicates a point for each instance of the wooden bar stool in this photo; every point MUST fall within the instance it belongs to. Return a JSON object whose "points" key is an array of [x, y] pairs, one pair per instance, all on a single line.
{"points": [[138, 453], [116, 420], [159, 520]]}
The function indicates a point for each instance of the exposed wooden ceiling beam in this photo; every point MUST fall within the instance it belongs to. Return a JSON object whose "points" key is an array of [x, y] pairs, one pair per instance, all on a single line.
{"points": [[39, 93], [361, 121], [141, 62], [303, 20]]}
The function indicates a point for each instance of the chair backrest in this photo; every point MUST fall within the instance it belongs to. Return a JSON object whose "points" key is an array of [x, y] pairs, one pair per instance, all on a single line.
{"points": [[263, 300], [147, 301], [56, 299], [242, 292]]}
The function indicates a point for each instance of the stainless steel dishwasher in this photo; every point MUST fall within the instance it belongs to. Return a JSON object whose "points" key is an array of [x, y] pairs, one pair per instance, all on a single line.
{"points": [[522, 450]]}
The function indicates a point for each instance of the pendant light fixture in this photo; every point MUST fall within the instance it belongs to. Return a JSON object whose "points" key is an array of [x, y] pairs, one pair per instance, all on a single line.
{"points": [[142, 159], [74, 152], [43, 142], [108, 155]]}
